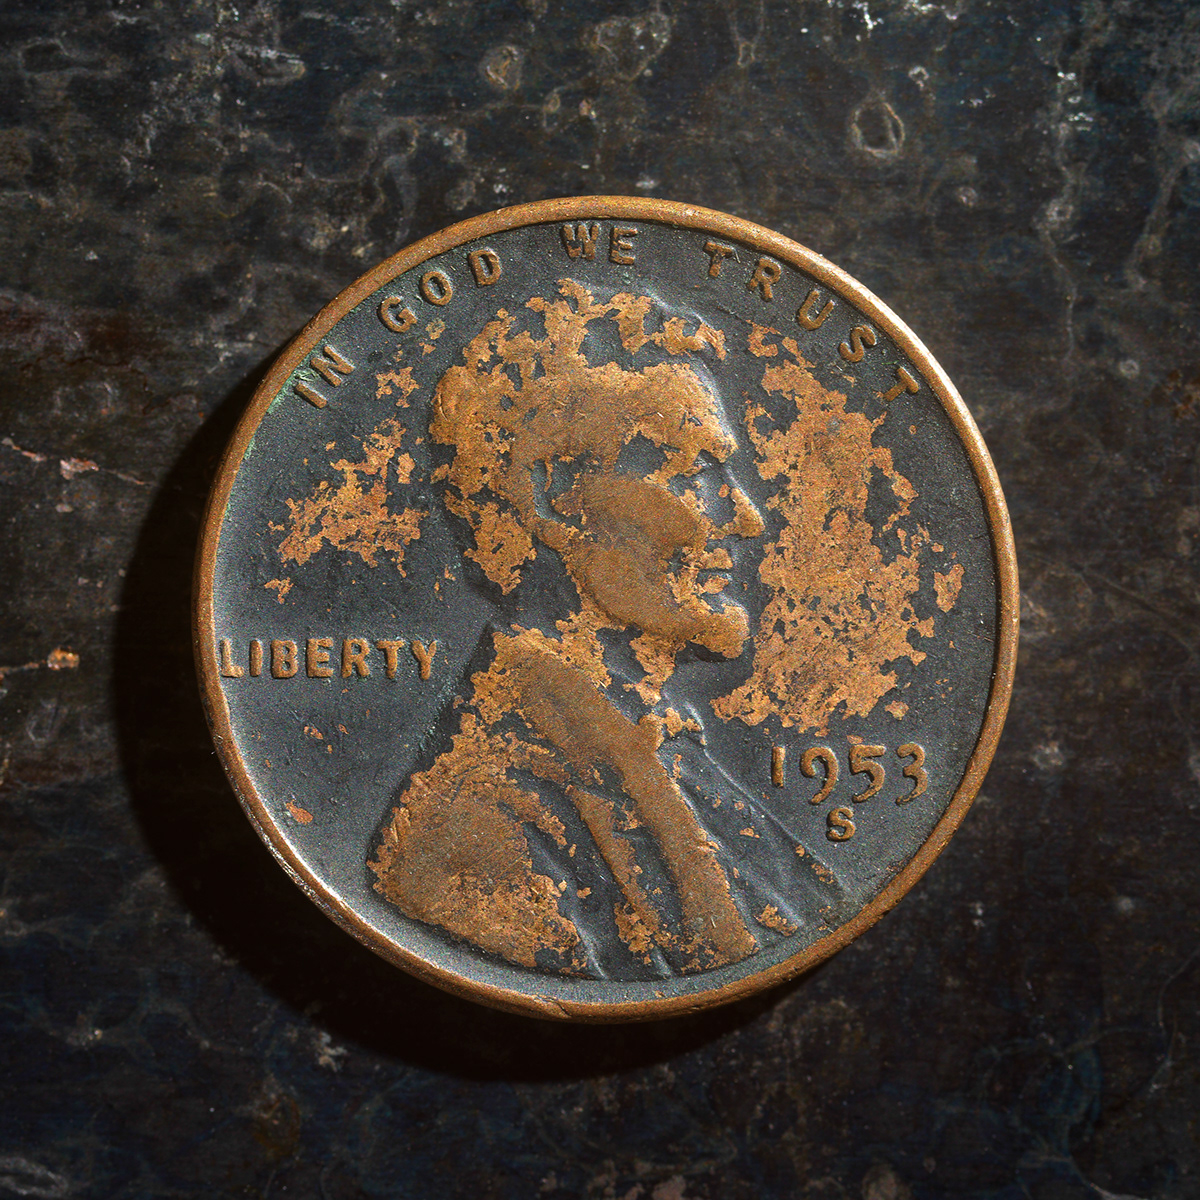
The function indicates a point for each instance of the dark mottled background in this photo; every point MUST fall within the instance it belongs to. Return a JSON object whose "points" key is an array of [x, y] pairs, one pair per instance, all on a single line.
{"points": [[183, 184]]}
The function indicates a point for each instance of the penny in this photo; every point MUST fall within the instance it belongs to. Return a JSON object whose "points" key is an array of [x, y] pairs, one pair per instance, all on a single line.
{"points": [[606, 608]]}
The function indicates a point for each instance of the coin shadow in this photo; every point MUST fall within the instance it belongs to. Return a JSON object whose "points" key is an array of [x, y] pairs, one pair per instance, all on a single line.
{"points": [[224, 876]]}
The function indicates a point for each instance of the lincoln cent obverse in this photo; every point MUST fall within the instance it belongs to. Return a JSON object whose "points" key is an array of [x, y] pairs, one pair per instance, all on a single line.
{"points": [[606, 608]]}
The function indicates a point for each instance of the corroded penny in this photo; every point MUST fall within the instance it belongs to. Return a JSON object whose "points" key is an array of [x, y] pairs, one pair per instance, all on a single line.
{"points": [[607, 608]]}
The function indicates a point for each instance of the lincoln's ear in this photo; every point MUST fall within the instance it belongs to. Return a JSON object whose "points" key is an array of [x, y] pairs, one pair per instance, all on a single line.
{"points": [[502, 543]]}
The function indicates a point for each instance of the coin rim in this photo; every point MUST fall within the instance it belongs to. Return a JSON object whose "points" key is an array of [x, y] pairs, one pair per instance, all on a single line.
{"points": [[686, 216]]}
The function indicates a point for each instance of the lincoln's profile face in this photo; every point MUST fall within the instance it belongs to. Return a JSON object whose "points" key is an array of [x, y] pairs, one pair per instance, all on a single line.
{"points": [[638, 553], [608, 467]]}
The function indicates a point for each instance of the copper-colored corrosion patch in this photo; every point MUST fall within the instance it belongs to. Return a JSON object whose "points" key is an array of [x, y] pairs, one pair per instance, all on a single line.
{"points": [[839, 613], [354, 515]]}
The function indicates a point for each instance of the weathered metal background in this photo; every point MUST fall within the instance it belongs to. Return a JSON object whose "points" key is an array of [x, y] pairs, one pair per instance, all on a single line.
{"points": [[183, 186]]}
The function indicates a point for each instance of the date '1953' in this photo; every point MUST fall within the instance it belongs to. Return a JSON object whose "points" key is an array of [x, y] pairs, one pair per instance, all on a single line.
{"points": [[869, 761]]}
